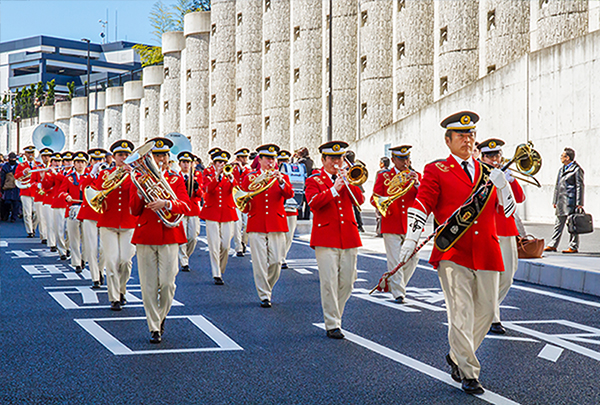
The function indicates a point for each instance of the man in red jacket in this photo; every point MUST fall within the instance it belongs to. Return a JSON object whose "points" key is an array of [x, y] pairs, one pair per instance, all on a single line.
{"points": [[390, 182], [491, 154], [191, 222], [466, 252], [241, 170], [334, 233], [291, 208], [39, 195], [48, 188], [27, 194], [267, 223], [158, 244], [116, 224], [219, 213]]}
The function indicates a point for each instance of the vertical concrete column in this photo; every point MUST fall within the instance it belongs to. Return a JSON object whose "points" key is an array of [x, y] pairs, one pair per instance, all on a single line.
{"points": [[307, 74], [375, 65], [249, 78], [97, 102], [133, 91], [78, 124], [113, 115], [152, 78], [172, 44], [413, 57], [593, 15], [222, 74], [276, 72], [558, 21], [47, 114], [62, 116], [196, 79], [457, 39]]}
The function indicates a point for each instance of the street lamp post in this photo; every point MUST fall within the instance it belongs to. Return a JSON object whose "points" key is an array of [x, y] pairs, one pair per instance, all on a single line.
{"points": [[330, 95], [87, 92]]}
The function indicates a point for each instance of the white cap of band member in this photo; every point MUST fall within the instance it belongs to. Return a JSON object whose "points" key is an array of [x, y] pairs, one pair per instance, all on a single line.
{"points": [[244, 152], [461, 121], [284, 155], [270, 150], [161, 145], [122, 145], [402, 151], [29, 149], [81, 156], [220, 156], [97, 153], [186, 156], [491, 145], [46, 152], [334, 148]]}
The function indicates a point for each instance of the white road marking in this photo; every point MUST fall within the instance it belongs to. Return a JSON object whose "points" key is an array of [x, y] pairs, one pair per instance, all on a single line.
{"points": [[361, 280], [551, 353], [416, 365], [301, 271], [3, 243], [555, 295], [513, 338]]}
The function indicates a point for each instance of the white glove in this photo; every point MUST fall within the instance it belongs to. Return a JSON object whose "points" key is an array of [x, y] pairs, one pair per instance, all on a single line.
{"points": [[497, 177], [406, 250], [415, 224], [508, 176], [95, 168]]}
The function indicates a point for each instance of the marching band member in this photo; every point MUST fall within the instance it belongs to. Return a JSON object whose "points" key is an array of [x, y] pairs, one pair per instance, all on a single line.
{"points": [[71, 191], [38, 198], [27, 194], [116, 224], [466, 252], [92, 249], [491, 154], [50, 184], [334, 235], [158, 244], [219, 213], [241, 170], [59, 206], [191, 221], [291, 210], [266, 221], [389, 182]]}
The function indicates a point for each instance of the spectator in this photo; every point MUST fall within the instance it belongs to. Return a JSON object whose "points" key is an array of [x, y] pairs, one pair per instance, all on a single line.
{"points": [[384, 164], [9, 188], [568, 196]]}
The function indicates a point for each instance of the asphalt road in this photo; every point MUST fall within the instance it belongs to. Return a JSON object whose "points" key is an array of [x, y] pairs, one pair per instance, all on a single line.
{"points": [[62, 345]]}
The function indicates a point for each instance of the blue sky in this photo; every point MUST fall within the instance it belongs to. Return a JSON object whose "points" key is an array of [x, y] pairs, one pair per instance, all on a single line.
{"points": [[76, 19]]}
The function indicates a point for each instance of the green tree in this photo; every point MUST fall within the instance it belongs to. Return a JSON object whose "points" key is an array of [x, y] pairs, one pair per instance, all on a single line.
{"points": [[150, 55], [50, 96], [71, 87], [182, 7], [40, 94], [162, 20]]}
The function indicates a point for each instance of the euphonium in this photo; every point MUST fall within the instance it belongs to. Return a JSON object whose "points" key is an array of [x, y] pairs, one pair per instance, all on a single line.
{"points": [[261, 183], [95, 198], [398, 186]]}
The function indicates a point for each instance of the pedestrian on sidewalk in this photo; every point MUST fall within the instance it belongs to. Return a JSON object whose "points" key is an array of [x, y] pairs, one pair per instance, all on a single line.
{"points": [[10, 191], [568, 197]]}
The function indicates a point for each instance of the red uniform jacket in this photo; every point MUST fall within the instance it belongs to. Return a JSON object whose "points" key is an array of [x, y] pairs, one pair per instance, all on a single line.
{"points": [[445, 186], [58, 202], [86, 212], [334, 224], [39, 192], [71, 185], [116, 212], [395, 219], [240, 172], [218, 198], [507, 226], [265, 211], [196, 196], [30, 191], [150, 230], [50, 184]]}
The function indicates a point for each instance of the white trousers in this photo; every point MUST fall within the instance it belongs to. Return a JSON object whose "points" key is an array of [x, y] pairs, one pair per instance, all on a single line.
{"points": [[92, 250], [40, 217], [398, 281], [60, 223], [118, 252], [337, 274], [510, 256], [218, 237], [471, 297], [28, 213], [50, 225], [292, 221], [74, 229], [240, 236], [192, 230], [157, 268], [267, 254]]}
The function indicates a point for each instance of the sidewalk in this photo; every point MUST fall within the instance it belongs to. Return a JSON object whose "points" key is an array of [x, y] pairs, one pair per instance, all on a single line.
{"points": [[575, 272]]}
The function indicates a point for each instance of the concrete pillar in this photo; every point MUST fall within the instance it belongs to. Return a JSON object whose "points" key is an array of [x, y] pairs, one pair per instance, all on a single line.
{"points": [[307, 75], [413, 57], [97, 105], [62, 117], [172, 44], [47, 114], [152, 77], [276, 72], [196, 79], [593, 15], [133, 91], [78, 124], [113, 115], [375, 65], [249, 78], [222, 74], [554, 22], [456, 42]]}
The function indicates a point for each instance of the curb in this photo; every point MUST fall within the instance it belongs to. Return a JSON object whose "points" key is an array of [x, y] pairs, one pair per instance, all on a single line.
{"points": [[536, 272]]}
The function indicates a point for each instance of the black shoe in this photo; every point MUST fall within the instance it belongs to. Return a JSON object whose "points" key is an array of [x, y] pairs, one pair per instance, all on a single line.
{"points": [[63, 257], [77, 269], [53, 249], [240, 254], [335, 333], [122, 299], [155, 337], [96, 285], [399, 299], [115, 306], [265, 304], [68, 253], [284, 265], [455, 374], [82, 264], [101, 279], [44, 241], [185, 268], [162, 327], [497, 328], [472, 386], [218, 280], [243, 247], [30, 235]]}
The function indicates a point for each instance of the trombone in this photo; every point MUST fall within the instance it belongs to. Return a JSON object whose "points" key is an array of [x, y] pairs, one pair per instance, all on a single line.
{"points": [[525, 171], [356, 175]]}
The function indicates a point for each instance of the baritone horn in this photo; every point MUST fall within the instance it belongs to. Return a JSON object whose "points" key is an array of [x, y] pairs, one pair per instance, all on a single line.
{"points": [[398, 186], [95, 198], [261, 183]]}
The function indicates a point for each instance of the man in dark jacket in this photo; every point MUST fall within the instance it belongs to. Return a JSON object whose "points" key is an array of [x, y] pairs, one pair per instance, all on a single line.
{"points": [[10, 192], [568, 196]]}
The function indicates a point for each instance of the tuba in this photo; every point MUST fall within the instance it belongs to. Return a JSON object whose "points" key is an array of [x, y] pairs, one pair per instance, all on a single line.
{"points": [[261, 183], [95, 198], [398, 186], [151, 183]]}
